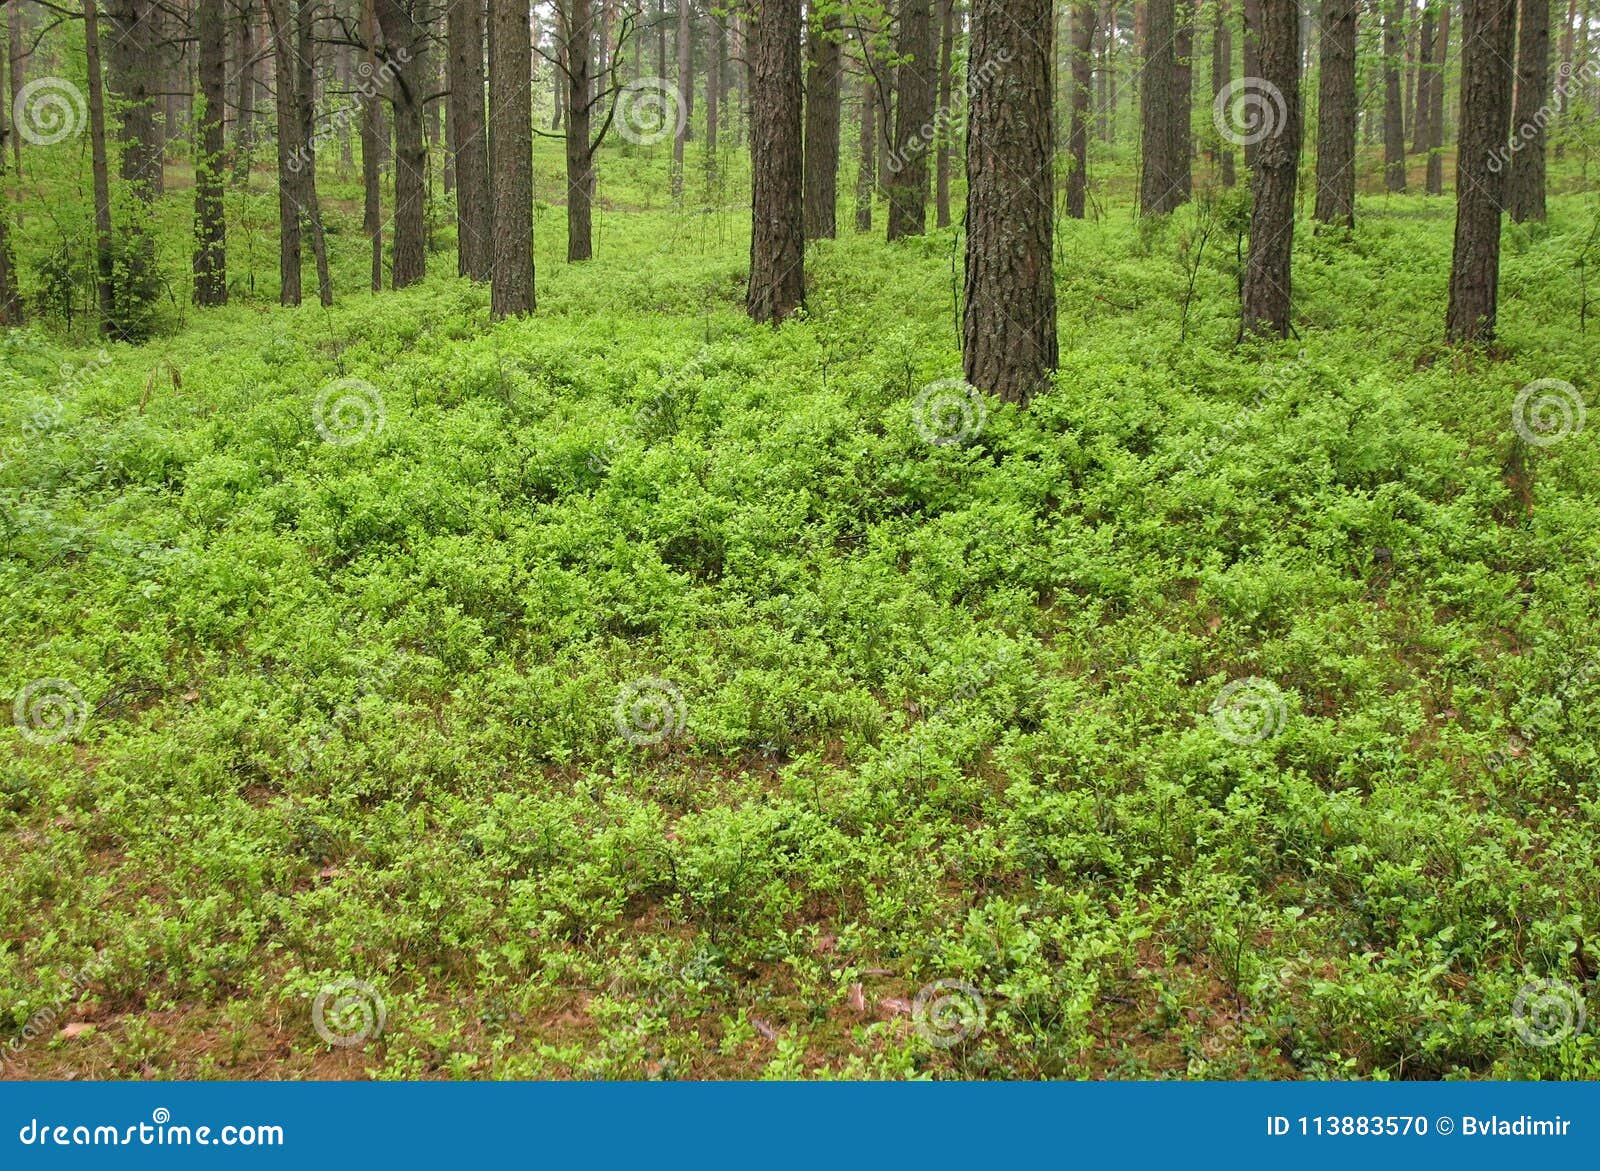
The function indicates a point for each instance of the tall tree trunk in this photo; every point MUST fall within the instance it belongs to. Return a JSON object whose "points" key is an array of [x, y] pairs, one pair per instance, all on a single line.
{"points": [[1250, 56], [244, 128], [1563, 91], [1265, 299], [1488, 37], [403, 34], [10, 303], [1181, 150], [777, 236], [1103, 81], [578, 54], [306, 113], [1423, 104], [1221, 75], [14, 60], [866, 172], [885, 92], [210, 226], [1009, 314], [822, 128], [136, 79], [1158, 192], [1441, 47], [464, 21], [1083, 22], [1394, 129], [716, 70], [946, 118], [1336, 115], [916, 77], [1525, 183], [371, 151], [684, 43], [511, 156], [285, 79], [105, 286], [661, 39]]}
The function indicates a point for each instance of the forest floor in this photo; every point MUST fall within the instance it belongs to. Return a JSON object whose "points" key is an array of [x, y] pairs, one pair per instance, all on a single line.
{"points": [[630, 691]]}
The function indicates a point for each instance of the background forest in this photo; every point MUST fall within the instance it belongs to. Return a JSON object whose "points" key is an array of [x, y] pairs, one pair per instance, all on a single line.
{"points": [[951, 538]]}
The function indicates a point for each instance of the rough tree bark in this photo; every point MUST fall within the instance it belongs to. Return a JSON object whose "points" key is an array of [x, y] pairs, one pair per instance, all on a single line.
{"points": [[941, 165], [1425, 76], [1265, 299], [281, 33], [1008, 324], [1221, 75], [1336, 115], [133, 61], [244, 131], [210, 226], [511, 156], [1488, 37], [1441, 47], [716, 70], [1158, 191], [305, 117], [105, 288], [1250, 57], [916, 80], [822, 128], [777, 236], [402, 35], [1394, 128], [1525, 183], [1181, 149], [578, 56], [1083, 24], [684, 43], [867, 169], [473, 223], [10, 303]]}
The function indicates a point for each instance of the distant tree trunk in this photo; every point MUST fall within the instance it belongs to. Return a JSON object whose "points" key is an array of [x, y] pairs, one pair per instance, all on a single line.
{"points": [[716, 70], [1563, 91], [1009, 312], [136, 79], [511, 156], [1250, 54], [777, 237], [1104, 84], [289, 161], [1181, 150], [1336, 115], [10, 303], [1488, 37], [371, 152], [916, 77], [1394, 129], [1265, 299], [1158, 192], [579, 28], [661, 39], [884, 93], [1083, 22], [402, 37], [210, 226], [105, 286], [867, 170], [684, 43], [1221, 75], [1435, 180], [1525, 183], [1423, 104], [306, 113], [822, 128], [946, 118], [473, 223], [14, 50], [245, 93]]}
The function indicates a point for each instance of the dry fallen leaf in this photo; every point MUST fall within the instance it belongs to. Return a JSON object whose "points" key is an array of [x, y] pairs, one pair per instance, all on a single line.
{"points": [[857, 998], [72, 1028], [894, 1006], [764, 1029]]}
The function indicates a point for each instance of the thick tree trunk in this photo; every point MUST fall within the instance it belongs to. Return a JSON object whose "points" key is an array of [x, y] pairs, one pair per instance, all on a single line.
{"points": [[1221, 75], [403, 33], [1180, 152], [941, 181], [1525, 183], [469, 147], [136, 79], [1394, 129], [306, 113], [1009, 314], [1158, 191], [1336, 115], [1488, 37], [371, 151], [916, 78], [1083, 22], [210, 227], [511, 156], [579, 29], [1435, 179], [822, 129], [866, 171], [777, 236], [285, 76], [1265, 300]]}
